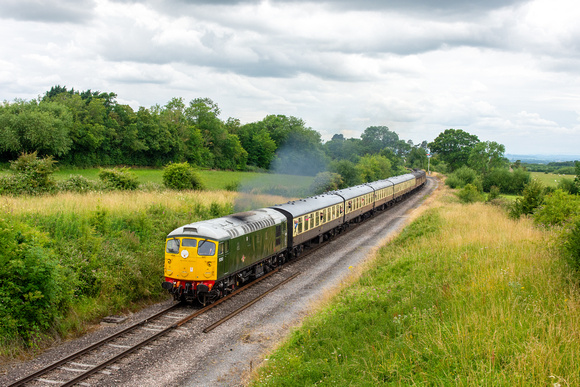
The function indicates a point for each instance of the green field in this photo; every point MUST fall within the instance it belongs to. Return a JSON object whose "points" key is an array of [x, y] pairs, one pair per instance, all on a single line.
{"points": [[550, 179], [463, 297], [251, 182]]}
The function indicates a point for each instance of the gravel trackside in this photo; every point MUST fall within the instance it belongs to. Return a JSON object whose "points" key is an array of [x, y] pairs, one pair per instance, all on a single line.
{"points": [[227, 355]]}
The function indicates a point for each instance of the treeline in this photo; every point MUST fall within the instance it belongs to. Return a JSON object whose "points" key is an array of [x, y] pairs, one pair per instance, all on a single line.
{"points": [[559, 167], [90, 128]]}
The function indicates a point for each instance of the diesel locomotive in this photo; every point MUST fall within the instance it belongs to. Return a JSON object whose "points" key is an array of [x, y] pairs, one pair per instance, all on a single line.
{"points": [[208, 259]]}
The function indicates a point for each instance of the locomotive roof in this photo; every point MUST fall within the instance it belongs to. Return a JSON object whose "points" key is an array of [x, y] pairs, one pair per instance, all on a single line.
{"points": [[308, 205], [231, 226]]}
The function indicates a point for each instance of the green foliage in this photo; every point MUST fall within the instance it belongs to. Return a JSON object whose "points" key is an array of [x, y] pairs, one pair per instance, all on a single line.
{"points": [[119, 178], [181, 176], [470, 194], [557, 208], [462, 177], [374, 167], [77, 183], [30, 175], [532, 198], [454, 147], [485, 156], [326, 181], [34, 127], [494, 193], [508, 182], [569, 185], [348, 171], [33, 289], [572, 245]]}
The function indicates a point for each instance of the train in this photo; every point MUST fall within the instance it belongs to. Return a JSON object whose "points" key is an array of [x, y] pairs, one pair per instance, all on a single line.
{"points": [[209, 259]]}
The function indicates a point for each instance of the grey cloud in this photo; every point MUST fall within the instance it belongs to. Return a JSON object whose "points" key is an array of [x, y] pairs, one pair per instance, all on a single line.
{"points": [[433, 8], [60, 11]]}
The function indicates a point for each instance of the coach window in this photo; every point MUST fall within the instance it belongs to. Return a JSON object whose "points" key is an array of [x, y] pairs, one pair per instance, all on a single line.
{"points": [[311, 221], [300, 225]]}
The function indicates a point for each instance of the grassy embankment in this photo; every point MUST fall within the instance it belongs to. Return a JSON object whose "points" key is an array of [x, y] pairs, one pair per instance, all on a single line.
{"points": [[464, 296], [102, 253]]}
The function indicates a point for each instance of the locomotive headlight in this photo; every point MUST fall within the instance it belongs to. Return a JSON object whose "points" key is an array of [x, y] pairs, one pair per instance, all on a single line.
{"points": [[169, 261], [208, 263]]}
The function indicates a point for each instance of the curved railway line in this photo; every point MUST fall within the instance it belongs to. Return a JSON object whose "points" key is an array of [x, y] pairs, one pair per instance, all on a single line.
{"points": [[101, 356]]}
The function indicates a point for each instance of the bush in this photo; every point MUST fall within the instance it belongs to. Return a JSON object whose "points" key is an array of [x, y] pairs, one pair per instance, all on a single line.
{"points": [[508, 182], [181, 176], [558, 208], [568, 185], [77, 183], [326, 181], [494, 193], [463, 176], [119, 178], [533, 197], [32, 285], [470, 194], [30, 175], [572, 245]]}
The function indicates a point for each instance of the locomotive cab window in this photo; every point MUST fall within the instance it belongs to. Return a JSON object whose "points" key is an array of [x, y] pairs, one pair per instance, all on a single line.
{"points": [[206, 248], [187, 242], [172, 246]]}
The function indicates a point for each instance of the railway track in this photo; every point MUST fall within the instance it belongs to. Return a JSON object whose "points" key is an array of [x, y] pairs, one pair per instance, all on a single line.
{"points": [[101, 356]]}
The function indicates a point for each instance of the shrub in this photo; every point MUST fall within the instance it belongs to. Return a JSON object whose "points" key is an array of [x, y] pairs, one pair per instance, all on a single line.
{"points": [[30, 175], [557, 208], [572, 245], [462, 177], [508, 182], [119, 178], [181, 176], [533, 197], [568, 185], [326, 181], [494, 193], [233, 186], [77, 183], [469, 194], [32, 285]]}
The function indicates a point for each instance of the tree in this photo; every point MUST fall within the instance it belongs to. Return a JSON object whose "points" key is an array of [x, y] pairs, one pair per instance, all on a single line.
{"points": [[348, 171], [376, 138], [454, 147], [34, 126], [485, 156], [374, 167], [417, 158]]}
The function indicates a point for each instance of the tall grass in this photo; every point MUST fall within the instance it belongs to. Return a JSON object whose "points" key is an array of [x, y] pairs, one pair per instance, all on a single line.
{"points": [[464, 296], [106, 253]]}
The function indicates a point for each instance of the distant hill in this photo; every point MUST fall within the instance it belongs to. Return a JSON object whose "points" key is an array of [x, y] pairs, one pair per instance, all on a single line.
{"points": [[542, 159]]}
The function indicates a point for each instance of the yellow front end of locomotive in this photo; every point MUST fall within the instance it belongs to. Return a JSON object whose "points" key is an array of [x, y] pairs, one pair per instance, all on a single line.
{"points": [[191, 259]]}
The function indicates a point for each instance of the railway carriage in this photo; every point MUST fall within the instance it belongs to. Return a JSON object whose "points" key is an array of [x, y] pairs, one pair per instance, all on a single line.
{"points": [[312, 218], [384, 193], [403, 185], [205, 259], [358, 201]]}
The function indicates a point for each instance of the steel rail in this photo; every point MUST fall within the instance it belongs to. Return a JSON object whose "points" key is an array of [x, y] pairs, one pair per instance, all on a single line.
{"points": [[89, 348], [248, 304]]}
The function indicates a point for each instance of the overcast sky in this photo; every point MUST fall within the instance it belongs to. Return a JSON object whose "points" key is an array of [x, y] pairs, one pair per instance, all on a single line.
{"points": [[506, 71]]}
